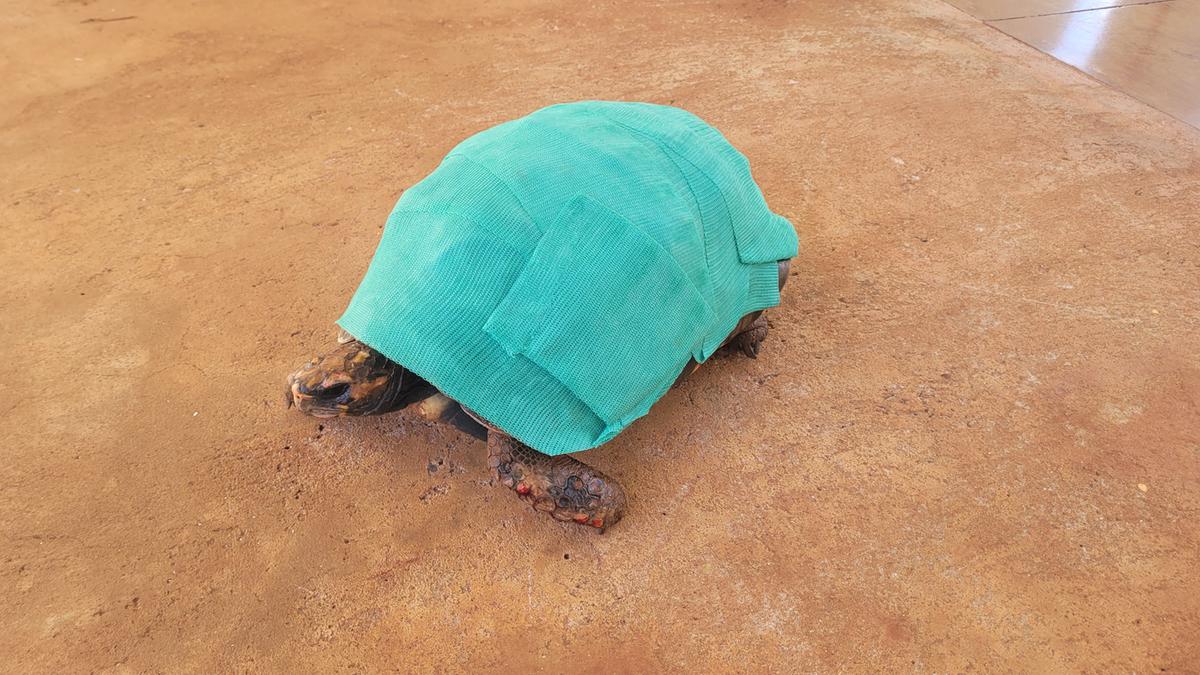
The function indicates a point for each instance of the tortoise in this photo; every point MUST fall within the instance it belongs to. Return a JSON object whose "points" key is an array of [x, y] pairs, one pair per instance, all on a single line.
{"points": [[549, 282]]}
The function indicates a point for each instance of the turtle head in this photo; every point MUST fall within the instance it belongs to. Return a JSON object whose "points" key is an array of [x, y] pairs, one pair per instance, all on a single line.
{"points": [[353, 379]]}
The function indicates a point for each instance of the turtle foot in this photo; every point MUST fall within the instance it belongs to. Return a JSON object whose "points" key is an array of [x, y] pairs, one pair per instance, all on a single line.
{"points": [[562, 487], [750, 340]]}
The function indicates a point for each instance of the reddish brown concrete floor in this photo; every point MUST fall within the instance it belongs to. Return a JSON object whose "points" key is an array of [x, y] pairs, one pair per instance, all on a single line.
{"points": [[971, 442]]}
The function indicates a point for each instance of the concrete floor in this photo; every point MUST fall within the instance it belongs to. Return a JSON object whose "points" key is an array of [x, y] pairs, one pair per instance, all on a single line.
{"points": [[1149, 49], [972, 441]]}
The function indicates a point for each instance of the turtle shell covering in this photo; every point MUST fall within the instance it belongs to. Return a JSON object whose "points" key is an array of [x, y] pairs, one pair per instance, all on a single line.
{"points": [[555, 273]]}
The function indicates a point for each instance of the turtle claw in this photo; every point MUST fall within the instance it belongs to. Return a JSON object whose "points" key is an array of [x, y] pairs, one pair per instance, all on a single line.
{"points": [[562, 487], [750, 349], [749, 341]]}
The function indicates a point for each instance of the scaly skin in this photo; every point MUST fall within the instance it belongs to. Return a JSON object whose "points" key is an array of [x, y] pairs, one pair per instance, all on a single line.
{"points": [[353, 380], [750, 340], [561, 486]]}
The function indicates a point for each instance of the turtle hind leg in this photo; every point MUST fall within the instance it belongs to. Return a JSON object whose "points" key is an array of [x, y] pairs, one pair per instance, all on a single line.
{"points": [[750, 340], [562, 487]]}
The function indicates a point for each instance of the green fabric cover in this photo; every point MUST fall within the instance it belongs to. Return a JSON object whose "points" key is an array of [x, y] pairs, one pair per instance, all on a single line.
{"points": [[555, 273]]}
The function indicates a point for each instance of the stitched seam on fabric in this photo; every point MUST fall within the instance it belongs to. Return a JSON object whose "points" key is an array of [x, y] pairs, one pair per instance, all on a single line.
{"points": [[625, 221], [586, 201], [725, 202], [671, 153], [581, 204], [496, 236], [666, 152], [503, 182], [669, 150]]}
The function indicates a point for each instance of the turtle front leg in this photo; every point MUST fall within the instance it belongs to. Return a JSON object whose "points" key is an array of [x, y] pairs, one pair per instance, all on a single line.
{"points": [[750, 339], [561, 486]]}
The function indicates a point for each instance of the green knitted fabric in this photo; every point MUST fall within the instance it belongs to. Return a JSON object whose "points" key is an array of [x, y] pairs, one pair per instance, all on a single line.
{"points": [[555, 273]]}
